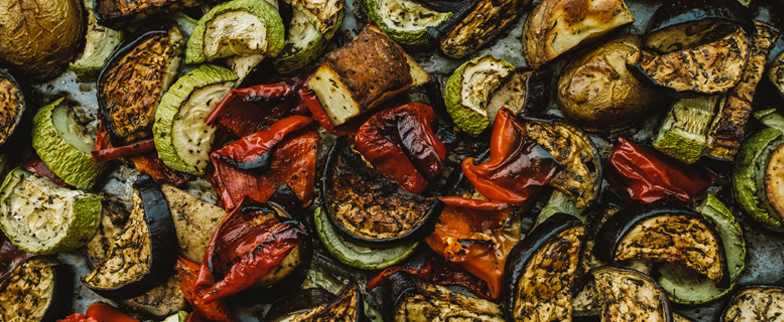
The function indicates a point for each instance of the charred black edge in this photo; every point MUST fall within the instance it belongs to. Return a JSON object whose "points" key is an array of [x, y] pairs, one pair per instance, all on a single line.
{"points": [[161, 27], [557, 121], [398, 286], [20, 135], [525, 249], [776, 285], [537, 91], [285, 198], [62, 294], [444, 5], [436, 34], [259, 164], [623, 221], [163, 243], [667, 306], [673, 13], [682, 317], [300, 301], [436, 206], [360, 316], [118, 21]]}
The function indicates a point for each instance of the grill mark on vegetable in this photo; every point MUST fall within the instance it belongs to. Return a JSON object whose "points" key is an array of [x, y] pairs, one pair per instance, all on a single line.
{"points": [[486, 20]]}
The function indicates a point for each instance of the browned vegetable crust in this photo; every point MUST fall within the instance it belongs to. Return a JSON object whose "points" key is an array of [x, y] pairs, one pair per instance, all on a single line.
{"points": [[11, 106], [756, 303], [631, 296], [728, 130], [713, 68], [116, 13], [480, 25], [432, 303]]}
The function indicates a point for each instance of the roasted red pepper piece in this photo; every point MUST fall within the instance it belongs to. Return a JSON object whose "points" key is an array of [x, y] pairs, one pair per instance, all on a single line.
{"points": [[257, 164], [251, 242], [314, 105], [10, 257], [77, 317], [216, 311], [35, 165], [103, 312], [640, 173], [104, 151], [248, 110], [401, 143], [478, 236], [517, 169], [157, 169]]}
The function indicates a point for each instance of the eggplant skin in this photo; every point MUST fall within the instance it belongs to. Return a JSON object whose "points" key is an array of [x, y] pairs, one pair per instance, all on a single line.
{"points": [[298, 302], [15, 117], [713, 68], [662, 232], [39, 290], [539, 271], [631, 296], [756, 303], [134, 79], [116, 14], [435, 303], [468, 31], [369, 209], [729, 128]]}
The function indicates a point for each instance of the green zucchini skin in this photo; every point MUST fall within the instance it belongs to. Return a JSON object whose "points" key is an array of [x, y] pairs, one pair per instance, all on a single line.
{"points": [[750, 163]]}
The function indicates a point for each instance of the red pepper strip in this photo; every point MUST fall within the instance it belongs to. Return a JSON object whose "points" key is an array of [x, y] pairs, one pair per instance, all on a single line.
{"points": [[77, 317], [401, 143], [103, 312], [293, 161], [216, 311], [640, 173], [35, 165], [314, 105], [151, 164], [423, 273], [102, 139], [10, 257], [478, 236], [248, 244], [131, 149], [255, 150], [247, 110], [517, 169]]}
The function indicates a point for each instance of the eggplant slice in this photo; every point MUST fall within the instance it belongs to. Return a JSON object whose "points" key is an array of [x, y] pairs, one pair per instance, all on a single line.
{"points": [[369, 209], [133, 81], [40, 290], [143, 256], [413, 301], [631, 296], [661, 232], [303, 303], [313, 305], [16, 117], [713, 68], [116, 14], [539, 271], [158, 303], [756, 303]]}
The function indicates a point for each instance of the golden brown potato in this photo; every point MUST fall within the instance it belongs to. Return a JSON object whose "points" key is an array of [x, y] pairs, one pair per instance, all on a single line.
{"points": [[38, 37], [597, 91]]}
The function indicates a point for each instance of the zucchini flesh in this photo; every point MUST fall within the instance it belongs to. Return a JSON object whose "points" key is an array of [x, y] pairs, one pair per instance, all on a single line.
{"points": [[684, 132]]}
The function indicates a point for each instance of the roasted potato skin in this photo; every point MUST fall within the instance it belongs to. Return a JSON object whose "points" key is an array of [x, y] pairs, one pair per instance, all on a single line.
{"points": [[39, 37], [597, 91]]}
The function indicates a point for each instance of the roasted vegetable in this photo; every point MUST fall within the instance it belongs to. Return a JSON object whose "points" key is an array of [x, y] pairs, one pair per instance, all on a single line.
{"points": [[776, 73], [40, 290], [598, 92], [312, 25], [133, 81], [683, 134], [365, 73], [182, 137], [469, 89], [401, 144], [640, 173], [195, 221], [477, 23], [404, 21], [105, 312], [409, 300], [116, 14], [630, 296], [756, 303], [539, 272], [557, 26], [40, 37], [238, 28], [188, 273], [299, 306], [99, 45], [523, 92], [245, 111], [43, 218], [712, 68], [144, 254], [679, 25], [15, 112], [755, 178], [159, 302], [662, 232], [369, 209]]}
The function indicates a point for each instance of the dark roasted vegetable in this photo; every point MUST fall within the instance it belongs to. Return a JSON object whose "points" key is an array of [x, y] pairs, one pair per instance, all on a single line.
{"points": [[15, 113], [755, 178], [159, 302], [557, 26], [116, 14], [664, 233], [523, 92], [134, 80], [302, 304], [756, 303], [368, 208], [631, 296], [540, 270], [679, 25], [143, 256], [712, 68], [39, 290]]}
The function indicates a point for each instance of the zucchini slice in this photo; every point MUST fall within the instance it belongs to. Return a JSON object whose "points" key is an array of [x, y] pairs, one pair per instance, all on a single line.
{"points": [[684, 132], [144, 254], [756, 303], [182, 138], [367, 208], [133, 81], [661, 232], [40, 290], [469, 89], [99, 45], [749, 177], [16, 113], [304, 44], [539, 271], [41, 217], [631, 296], [404, 21]]}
